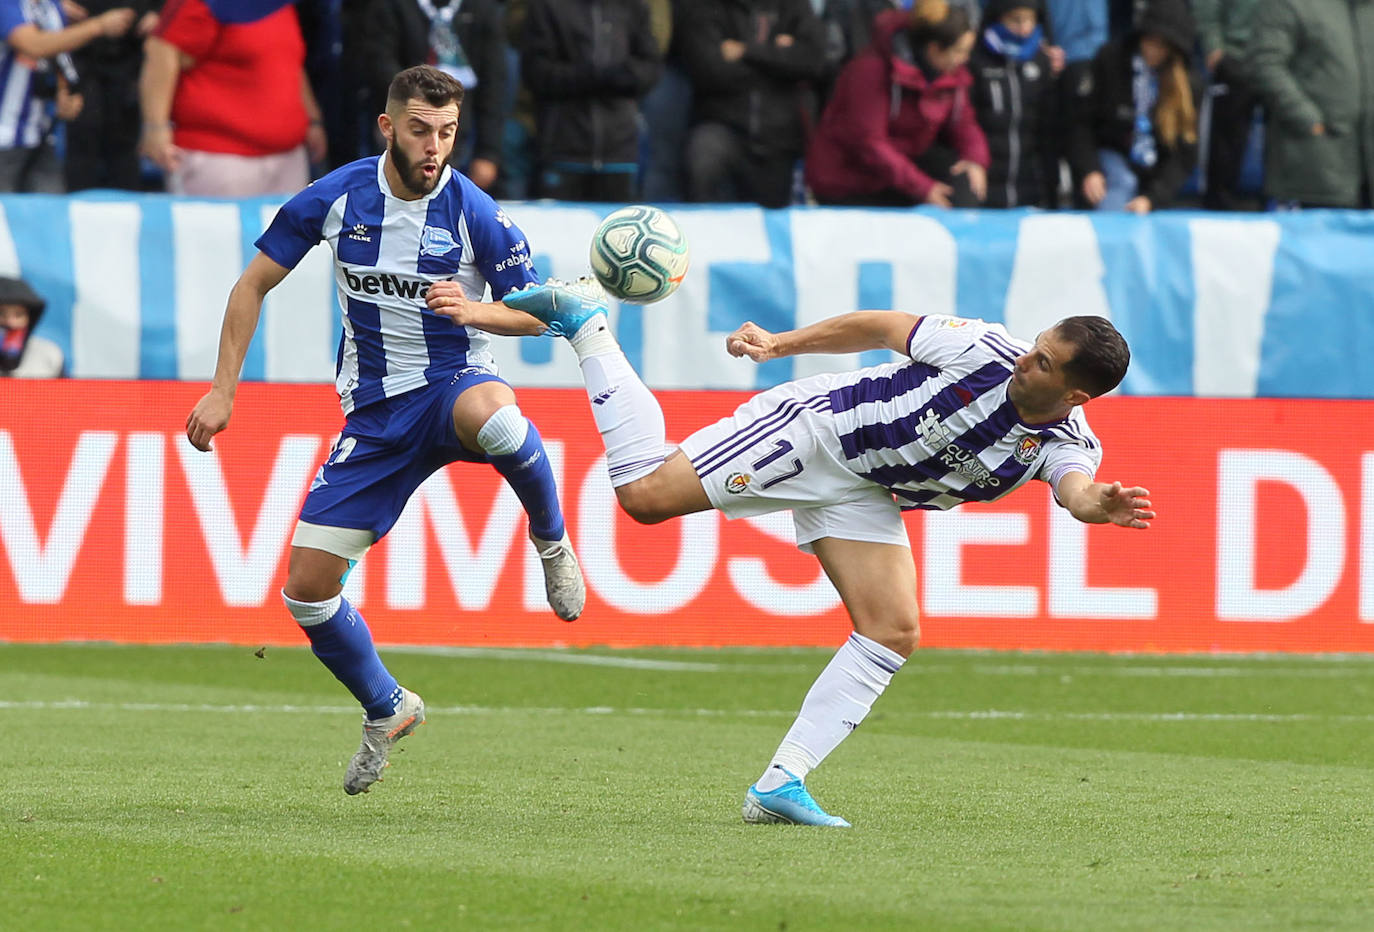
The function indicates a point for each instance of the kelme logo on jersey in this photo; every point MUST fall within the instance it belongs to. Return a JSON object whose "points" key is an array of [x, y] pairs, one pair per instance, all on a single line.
{"points": [[395, 286], [1027, 450], [737, 482], [436, 241]]}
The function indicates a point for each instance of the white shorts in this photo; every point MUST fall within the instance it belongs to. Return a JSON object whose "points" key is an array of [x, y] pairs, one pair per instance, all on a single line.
{"points": [[779, 452]]}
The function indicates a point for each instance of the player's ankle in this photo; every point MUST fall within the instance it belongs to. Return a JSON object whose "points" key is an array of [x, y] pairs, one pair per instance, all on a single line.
{"points": [[594, 338]]}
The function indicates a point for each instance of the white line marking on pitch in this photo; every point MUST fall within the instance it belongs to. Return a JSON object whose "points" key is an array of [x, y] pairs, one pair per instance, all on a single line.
{"points": [[1247, 667], [600, 660], [961, 715]]}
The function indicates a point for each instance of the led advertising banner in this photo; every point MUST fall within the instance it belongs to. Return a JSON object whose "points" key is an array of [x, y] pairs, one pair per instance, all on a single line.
{"points": [[115, 529]]}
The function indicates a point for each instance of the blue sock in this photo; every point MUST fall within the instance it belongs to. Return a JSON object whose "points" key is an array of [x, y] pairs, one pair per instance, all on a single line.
{"points": [[344, 645], [527, 471]]}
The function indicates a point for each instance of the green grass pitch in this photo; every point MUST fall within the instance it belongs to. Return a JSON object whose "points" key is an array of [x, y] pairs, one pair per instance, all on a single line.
{"points": [[200, 788]]}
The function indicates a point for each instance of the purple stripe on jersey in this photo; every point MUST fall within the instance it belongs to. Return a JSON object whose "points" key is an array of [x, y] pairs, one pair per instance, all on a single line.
{"points": [[881, 388], [621, 469], [999, 347], [912, 335], [990, 430], [873, 656], [918, 498], [951, 398], [892, 477], [1008, 474], [1069, 431], [785, 413]]}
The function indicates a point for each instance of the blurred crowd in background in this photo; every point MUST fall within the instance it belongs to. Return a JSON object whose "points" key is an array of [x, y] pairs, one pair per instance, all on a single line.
{"points": [[1108, 104]]}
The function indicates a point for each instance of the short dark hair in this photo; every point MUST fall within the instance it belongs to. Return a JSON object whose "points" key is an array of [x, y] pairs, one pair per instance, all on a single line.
{"points": [[1100, 354], [438, 88], [937, 21]]}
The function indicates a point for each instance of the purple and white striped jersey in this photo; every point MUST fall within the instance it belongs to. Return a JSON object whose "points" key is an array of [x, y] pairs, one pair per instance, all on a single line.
{"points": [[24, 118], [387, 252], [939, 430]]}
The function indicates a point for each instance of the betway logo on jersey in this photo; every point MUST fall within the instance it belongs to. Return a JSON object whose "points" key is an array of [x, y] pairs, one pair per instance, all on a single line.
{"points": [[371, 284], [954, 457]]}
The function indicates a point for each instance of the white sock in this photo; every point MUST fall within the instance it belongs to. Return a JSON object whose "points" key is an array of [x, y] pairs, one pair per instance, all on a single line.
{"points": [[837, 702], [626, 413]]}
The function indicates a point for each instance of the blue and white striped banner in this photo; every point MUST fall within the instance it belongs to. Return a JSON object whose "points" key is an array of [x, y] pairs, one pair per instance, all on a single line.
{"points": [[1212, 304]]}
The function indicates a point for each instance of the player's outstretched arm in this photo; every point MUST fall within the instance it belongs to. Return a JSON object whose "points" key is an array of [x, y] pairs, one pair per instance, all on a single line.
{"points": [[1105, 503], [847, 333], [447, 299], [211, 413]]}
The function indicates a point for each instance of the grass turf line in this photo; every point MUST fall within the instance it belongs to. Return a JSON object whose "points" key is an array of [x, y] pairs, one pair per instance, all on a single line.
{"points": [[570, 795]]}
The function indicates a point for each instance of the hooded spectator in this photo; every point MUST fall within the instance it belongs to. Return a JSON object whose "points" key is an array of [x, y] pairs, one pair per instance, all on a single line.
{"points": [[1135, 130], [900, 128], [22, 354]]}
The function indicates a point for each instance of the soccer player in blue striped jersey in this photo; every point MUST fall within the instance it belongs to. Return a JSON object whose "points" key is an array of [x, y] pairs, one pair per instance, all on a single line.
{"points": [[970, 415], [418, 386]]}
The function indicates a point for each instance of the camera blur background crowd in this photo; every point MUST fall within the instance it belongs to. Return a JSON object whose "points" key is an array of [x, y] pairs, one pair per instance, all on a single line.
{"points": [[1109, 104], [1112, 105]]}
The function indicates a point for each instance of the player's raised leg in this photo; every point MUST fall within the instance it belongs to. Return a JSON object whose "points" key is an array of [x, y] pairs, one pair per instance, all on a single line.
{"points": [[877, 582], [341, 640], [627, 414], [486, 418]]}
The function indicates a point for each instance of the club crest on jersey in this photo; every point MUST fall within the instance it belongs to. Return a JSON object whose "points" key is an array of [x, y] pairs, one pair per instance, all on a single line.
{"points": [[436, 241], [1027, 450], [738, 482]]}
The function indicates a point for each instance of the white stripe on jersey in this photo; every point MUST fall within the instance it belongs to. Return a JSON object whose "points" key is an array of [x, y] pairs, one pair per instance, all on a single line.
{"points": [[403, 329], [347, 375]]}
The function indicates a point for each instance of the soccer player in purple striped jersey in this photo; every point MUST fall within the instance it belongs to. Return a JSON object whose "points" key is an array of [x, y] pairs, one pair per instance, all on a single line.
{"points": [[970, 415], [416, 380]]}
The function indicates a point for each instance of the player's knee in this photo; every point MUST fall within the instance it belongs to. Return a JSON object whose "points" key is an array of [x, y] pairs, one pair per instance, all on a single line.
{"points": [[307, 587], [900, 633], [638, 500], [504, 432]]}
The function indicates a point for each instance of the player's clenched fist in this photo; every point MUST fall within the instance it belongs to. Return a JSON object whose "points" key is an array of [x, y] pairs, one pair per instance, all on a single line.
{"points": [[207, 418], [448, 299], [753, 341]]}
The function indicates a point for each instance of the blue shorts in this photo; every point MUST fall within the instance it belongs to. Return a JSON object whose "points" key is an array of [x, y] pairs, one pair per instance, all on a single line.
{"points": [[385, 451]]}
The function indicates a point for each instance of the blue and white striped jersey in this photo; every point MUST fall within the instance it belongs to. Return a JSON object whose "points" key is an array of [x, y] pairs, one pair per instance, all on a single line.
{"points": [[24, 118], [387, 252], [940, 431]]}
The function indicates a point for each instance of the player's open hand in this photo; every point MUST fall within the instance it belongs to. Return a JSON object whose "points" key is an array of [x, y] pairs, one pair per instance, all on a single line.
{"points": [[207, 418], [447, 299], [753, 341], [1127, 507]]}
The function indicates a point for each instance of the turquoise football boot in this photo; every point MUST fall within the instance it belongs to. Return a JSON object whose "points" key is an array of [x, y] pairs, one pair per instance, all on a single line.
{"points": [[789, 803], [563, 306]]}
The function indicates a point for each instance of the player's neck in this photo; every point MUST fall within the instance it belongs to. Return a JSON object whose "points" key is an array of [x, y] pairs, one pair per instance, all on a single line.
{"points": [[1037, 416]]}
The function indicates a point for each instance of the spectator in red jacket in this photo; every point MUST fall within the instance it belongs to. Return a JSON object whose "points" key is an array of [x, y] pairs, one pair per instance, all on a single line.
{"points": [[227, 107], [900, 128]]}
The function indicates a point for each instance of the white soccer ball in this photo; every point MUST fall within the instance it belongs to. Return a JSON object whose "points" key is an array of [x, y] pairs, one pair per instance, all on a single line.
{"points": [[639, 254]]}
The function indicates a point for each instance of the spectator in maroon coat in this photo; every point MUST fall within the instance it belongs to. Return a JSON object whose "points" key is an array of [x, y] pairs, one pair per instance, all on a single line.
{"points": [[900, 128]]}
